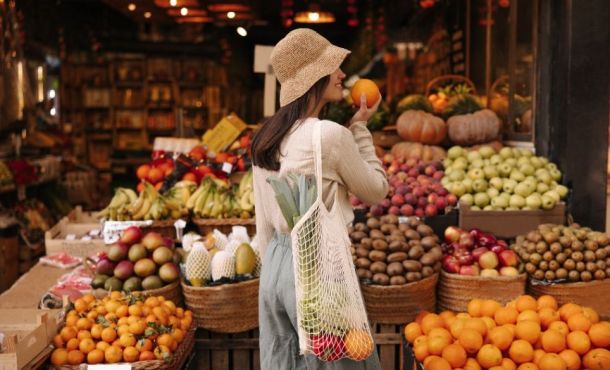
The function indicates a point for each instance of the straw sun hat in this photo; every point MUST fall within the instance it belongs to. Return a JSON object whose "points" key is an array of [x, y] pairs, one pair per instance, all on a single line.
{"points": [[300, 59]]}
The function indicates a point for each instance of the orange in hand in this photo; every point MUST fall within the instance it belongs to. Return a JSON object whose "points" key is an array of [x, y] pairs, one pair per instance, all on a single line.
{"points": [[369, 89]]}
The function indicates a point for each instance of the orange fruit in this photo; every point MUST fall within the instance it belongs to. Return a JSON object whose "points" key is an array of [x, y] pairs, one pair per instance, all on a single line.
{"points": [[435, 344], [123, 329], [579, 342], [474, 307], [88, 298], [412, 331], [437, 363], [422, 339], [96, 331], [428, 359], [144, 345], [113, 354], [489, 322], [526, 302], [528, 366], [147, 356], [95, 357], [83, 324], [127, 340], [109, 335], [456, 327], [489, 356], [431, 321], [500, 337], [471, 340], [528, 315], [152, 302], [418, 319], [496, 368], [547, 316], [421, 352], [71, 320], [86, 345], [80, 305], [551, 361], [102, 345], [528, 330], [571, 359], [178, 335], [591, 314], [546, 301], [568, 310], [560, 326], [538, 353], [59, 356], [134, 310], [82, 334], [123, 321], [131, 354], [448, 317], [521, 351], [477, 324], [441, 332], [92, 315], [162, 352], [508, 364], [472, 364], [58, 341], [122, 311], [462, 315], [116, 295], [170, 305], [67, 333], [358, 344], [369, 89], [137, 328], [455, 355], [553, 341], [489, 307], [579, 322], [76, 357], [72, 344], [600, 334], [511, 328], [506, 315], [597, 359]]}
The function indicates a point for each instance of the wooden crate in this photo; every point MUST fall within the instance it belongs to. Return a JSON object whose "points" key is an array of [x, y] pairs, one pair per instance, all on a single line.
{"points": [[58, 238], [9, 253], [388, 339], [28, 333]]}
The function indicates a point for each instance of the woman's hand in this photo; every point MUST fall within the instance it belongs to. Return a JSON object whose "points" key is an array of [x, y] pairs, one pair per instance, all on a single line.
{"points": [[365, 113]]}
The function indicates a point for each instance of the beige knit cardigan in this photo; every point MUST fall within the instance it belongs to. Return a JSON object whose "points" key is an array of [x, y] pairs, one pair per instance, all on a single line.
{"points": [[349, 164]]}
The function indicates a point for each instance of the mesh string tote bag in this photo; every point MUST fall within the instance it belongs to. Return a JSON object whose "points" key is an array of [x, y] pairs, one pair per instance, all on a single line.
{"points": [[331, 316]]}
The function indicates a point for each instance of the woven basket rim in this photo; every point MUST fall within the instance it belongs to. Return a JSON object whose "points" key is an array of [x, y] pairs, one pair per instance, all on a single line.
{"points": [[398, 288], [163, 289], [224, 221], [209, 289], [163, 223], [520, 277], [579, 284]]}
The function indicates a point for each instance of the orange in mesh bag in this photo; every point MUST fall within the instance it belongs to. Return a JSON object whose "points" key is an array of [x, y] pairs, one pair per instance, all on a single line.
{"points": [[331, 317]]}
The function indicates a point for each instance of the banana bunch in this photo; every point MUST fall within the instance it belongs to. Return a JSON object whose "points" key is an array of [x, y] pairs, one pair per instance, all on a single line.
{"points": [[142, 208], [245, 196], [117, 209], [177, 198], [214, 199]]}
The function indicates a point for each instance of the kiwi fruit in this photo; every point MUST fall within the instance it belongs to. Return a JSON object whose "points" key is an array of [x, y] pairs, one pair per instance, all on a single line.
{"points": [[395, 246], [364, 273], [427, 271], [561, 273], [573, 275], [362, 252], [569, 264], [538, 274], [549, 275], [553, 265], [543, 265], [367, 243], [556, 248], [413, 276], [357, 236], [378, 266], [586, 276], [376, 234], [380, 245], [363, 262], [580, 266], [416, 252], [381, 279], [397, 257]]}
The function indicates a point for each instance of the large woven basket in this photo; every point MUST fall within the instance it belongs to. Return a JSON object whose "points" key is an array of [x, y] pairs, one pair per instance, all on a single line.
{"points": [[172, 292], [455, 291], [206, 226], [399, 304], [164, 227], [178, 360], [594, 294], [227, 308]]}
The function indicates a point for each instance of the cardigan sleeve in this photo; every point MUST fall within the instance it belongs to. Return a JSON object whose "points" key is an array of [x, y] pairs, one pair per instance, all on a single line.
{"points": [[352, 155], [264, 227]]}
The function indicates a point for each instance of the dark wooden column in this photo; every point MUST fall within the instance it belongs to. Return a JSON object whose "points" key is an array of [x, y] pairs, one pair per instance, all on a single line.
{"points": [[572, 99]]}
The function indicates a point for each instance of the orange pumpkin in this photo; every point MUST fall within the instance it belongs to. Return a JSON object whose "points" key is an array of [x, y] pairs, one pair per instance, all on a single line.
{"points": [[474, 128], [421, 127]]}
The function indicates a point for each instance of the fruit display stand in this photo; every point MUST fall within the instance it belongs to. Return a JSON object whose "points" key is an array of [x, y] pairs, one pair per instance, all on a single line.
{"points": [[27, 334], [73, 235], [509, 224], [221, 351], [206, 225], [455, 291]]}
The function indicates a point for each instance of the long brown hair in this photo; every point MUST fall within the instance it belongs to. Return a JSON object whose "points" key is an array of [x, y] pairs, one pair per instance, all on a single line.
{"points": [[267, 141]]}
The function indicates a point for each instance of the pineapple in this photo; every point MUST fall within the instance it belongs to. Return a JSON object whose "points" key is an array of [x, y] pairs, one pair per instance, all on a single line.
{"points": [[198, 265]]}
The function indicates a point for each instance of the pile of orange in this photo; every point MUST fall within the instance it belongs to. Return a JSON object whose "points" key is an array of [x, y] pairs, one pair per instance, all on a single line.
{"points": [[526, 334], [120, 328]]}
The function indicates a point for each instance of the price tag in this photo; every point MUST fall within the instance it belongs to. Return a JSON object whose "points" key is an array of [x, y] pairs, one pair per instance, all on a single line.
{"points": [[70, 237], [112, 230], [227, 167], [86, 238], [404, 220], [95, 232], [21, 192], [109, 367]]}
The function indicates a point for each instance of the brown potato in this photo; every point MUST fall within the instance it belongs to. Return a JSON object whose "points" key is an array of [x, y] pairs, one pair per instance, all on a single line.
{"points": [[412, 266], [425, 230], [381, 279], [395, 246], [388, 228], [378, 266], [413, 276], [395, 268], [397, 257], [357, 236], [412, 235], [428, 259], [416, 252], [360, 226], [377, 256], [380, 244], [398, 280], [427, 271], [363, 262], [364, 273], [373, 223], [367, 243], [376, 234], [362, 252], [429, 242]]}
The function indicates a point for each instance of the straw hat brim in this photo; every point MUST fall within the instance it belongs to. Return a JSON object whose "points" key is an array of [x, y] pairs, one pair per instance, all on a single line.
{"points": [[327, 63]]}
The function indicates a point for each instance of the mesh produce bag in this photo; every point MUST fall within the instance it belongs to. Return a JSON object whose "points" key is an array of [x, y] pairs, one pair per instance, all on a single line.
{"points": [[332, 320]]}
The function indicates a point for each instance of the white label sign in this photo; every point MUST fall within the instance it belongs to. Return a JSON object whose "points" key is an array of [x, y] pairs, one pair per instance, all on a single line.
{"points": [[112, 229]]}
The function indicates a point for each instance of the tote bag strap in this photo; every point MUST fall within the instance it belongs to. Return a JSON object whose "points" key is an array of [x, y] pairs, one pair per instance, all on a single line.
{"points": [[316, 139]]}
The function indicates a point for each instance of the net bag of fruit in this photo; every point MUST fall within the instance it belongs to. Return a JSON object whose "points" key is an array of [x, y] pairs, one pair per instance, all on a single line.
{"points": [[332, 320]]}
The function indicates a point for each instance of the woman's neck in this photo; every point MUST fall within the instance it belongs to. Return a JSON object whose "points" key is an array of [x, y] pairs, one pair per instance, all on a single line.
{"points": [[315, 112]]}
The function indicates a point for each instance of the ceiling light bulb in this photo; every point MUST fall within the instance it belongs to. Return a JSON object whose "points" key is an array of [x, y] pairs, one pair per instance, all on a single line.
{"points": [[242, 31], [173, 2], [131, 7], [314, 16], [147, 14], [230, 15], [184, 11]]}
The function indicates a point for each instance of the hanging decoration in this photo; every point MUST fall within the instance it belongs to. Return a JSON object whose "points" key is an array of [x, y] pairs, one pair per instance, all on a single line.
{"points": [[286, 13], [352, 10]]}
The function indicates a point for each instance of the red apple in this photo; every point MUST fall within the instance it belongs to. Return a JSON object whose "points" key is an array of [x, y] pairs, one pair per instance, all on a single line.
{"points": [[509, 271], [413, 172], [394, 210], [497, 249], [411, 162], [388, 158], [438, 175], [386, 203], [419, 212], [418, 191], [442, 192], [404, 167], [466, 259], [452, 234], [488, 260], [472, 270], [432, 198], [478, 252], [441, 203], [398, 200], [131, 235], [467, 241], [503, 243], [452, 199], [451, 264], [486, 240], [410, 199], [508, 258], [476, 233], [402, 190], [377, 210], [430, 170], [355, 202], [489, 273], [407, 210]]}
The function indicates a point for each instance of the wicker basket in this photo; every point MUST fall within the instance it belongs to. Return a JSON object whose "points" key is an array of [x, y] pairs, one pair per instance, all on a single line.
{"points": [[206, 226], [177, 361], [444, 79], [228, 308], [399, 304], [594, 294], [455, 291], [172, 292], [164, 227]]}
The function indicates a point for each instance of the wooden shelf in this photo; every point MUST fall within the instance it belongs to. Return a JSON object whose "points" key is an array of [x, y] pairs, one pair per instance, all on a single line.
{"points": [[128, 84]]}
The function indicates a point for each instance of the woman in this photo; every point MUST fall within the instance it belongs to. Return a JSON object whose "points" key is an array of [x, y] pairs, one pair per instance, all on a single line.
{"points": [[307, 66]]}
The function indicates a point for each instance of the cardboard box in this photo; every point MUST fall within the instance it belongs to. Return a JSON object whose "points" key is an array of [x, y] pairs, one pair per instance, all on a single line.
{"points": [[509, 224], [70, 235], [27, 333]]}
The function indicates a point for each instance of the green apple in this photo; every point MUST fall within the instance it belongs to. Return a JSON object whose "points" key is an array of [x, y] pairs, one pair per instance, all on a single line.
{"points": [[531, 180], [562, 191], [544, 176], [475, 208], [542, 187], [488, 208], [526, 208], [506, 152], [527, 169], [523, 160], [490, 172], [474, 155], [543, 160], [445, 181], [504, 169], [481, 199], [555, 174], [458, 189], [492, 192], [486, 151], [476, 173], [553, 194], [506, 197], [526, 152], [479, 185], [467, 199], [536, 162], [459, 164], [551, 166], [486, 162], [496, 183], [511, 161], [548, 202], [509, 185], [468, 184], [534, 201], [523, 189], [516, 201], [512, 209], [457, 175], [516, 152], [499, 202], [517, 175], [496, 159], [447, 162], [477, 163], [455, 152]]}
